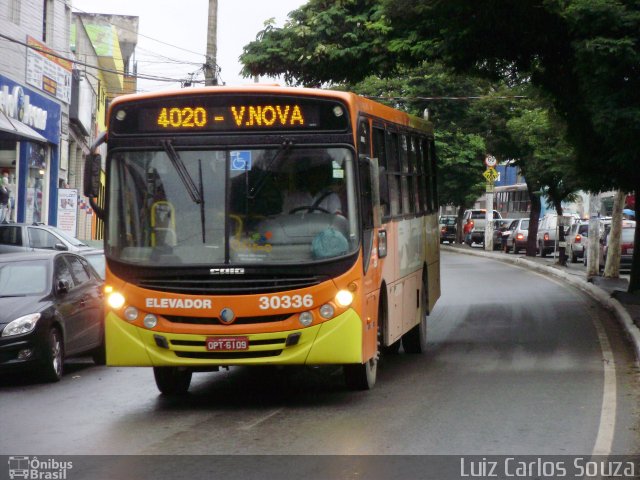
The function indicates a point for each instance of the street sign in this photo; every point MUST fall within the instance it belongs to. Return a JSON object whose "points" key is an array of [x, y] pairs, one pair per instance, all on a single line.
{"points": [[490, 161], [491, 175]]}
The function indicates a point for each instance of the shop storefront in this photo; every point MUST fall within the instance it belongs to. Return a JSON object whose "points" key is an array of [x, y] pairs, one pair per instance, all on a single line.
{"points": [[29, 153]]}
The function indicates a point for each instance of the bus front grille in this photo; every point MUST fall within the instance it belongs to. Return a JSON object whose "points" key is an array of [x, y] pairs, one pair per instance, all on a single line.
{"points": [[229, 285], [216, 321]]}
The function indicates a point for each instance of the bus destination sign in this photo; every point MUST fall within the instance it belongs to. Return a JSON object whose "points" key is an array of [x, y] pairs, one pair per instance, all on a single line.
{"points": [[227, 114]]}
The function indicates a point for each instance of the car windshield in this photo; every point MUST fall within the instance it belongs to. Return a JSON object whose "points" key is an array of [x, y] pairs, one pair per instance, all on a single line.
{"points": [[283, 205], [447, 220], [28, 277], [97, 261], [68, 238]]}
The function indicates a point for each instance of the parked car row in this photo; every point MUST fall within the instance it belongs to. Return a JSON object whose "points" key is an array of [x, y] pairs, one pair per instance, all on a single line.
{"points": [[51, 300], [511, 235]]}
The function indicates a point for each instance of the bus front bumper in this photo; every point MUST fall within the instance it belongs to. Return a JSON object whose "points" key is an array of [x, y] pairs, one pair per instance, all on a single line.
{"points": [[336, 341]]}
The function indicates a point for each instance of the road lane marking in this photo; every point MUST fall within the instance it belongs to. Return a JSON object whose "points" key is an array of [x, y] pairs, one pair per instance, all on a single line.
{"points": [[260, 420], [606, 428], [604, 440]]}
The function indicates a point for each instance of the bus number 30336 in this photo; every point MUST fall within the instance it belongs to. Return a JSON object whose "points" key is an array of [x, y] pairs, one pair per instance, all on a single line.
{"points": [[286, 301]]}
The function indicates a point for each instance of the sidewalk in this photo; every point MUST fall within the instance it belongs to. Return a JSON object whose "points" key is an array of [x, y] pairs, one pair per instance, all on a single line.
{"points": [[609, 292]]}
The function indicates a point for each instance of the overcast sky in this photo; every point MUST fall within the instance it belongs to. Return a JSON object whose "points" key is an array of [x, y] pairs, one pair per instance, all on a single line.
{"points": [[172, 38]]}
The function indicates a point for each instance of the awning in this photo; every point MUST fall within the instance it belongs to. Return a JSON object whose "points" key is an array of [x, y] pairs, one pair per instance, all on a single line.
{"points": [[18, 130]]}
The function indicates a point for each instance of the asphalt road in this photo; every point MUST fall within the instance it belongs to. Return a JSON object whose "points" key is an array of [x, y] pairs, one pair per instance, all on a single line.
{"points": [[517, 364]]}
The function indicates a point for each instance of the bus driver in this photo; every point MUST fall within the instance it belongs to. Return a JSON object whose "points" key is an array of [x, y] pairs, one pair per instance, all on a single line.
{"points": [[313, 192]]}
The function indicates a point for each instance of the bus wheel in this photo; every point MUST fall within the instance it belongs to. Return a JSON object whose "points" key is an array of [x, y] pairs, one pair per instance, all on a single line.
{"points": [[172, 380], [361, 376], [415, 340]]}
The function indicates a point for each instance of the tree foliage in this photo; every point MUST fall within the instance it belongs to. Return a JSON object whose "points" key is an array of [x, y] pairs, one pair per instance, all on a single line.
{"points": [[324, 41]]}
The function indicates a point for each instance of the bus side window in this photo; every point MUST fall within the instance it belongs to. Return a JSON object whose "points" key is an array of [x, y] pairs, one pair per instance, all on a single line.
{"points": [[363, 138], [426, 164], [405, 184], [380, 152], [434, 178], [421, 176], [393, 172]]}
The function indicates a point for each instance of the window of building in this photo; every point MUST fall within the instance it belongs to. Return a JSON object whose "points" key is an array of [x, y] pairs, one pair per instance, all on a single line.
{"points": [[14, 11]]}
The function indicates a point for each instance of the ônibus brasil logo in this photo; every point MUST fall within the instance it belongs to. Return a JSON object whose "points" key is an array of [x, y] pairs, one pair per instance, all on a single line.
{"points": [[37, 469]]}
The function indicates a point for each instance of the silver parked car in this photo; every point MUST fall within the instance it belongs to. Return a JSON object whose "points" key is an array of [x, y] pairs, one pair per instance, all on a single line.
{"points": [[518, 235], [577, 239], [25, 237]]}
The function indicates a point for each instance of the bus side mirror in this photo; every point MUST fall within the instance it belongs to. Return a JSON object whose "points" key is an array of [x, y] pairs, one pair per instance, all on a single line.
{"points": [[92, 168]]}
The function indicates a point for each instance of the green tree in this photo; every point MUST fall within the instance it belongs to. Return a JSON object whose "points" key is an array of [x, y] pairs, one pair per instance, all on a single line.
{"points": [[324, 41], [583, 53]]}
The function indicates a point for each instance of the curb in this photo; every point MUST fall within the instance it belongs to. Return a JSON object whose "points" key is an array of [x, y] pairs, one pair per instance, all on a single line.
{"points": [[602, 297]]}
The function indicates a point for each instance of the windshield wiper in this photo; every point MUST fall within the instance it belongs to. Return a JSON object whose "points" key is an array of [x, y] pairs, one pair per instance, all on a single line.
{"points": [[183, 173], [253, 191]]}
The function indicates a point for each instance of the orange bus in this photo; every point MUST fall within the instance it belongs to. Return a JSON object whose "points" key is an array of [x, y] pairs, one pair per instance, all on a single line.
{"points": [[264, 225]]}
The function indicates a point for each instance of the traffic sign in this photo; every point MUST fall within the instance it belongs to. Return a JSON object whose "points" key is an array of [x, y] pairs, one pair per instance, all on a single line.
{"points": [[491, 175], [490, 161]]}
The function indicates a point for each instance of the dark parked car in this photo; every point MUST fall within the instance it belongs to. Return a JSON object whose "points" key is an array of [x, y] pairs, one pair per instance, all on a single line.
{"points": [[448, 228], [24, 237], [51, 308]]}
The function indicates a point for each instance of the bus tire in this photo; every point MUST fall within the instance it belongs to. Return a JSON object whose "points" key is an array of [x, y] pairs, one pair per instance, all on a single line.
{"points": [[415, 340], [361, 376], [172, 380]]}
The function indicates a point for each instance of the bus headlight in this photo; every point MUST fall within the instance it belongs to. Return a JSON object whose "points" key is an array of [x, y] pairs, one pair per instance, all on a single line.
{"points": [[150, 320], [115, 300], [327, 311], [344, 298], [131, 313], [305, 319]]}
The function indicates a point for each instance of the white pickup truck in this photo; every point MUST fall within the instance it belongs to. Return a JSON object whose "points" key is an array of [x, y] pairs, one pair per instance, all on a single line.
{"points": [[478, 218]]}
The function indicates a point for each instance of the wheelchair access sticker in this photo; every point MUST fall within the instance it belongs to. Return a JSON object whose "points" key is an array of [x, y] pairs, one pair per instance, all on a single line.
{"points": [[240, 160]]}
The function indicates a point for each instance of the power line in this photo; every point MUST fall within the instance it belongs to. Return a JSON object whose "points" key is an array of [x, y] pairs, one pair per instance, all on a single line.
{"points": [[463, 98], [133, 31], [108, 70]]}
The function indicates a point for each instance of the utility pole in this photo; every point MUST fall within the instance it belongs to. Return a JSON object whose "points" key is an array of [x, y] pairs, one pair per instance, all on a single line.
{"points": [[211, 65]]}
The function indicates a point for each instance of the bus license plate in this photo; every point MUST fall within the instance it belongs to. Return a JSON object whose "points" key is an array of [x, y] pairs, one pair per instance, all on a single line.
{"points": [[223, 344]]}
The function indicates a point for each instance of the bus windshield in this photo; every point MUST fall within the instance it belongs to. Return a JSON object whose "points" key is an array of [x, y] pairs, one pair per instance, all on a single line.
{"points": [[178, 207]]}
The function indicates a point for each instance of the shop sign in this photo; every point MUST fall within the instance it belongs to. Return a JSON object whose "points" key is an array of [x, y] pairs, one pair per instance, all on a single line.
{"points": [[32, 109]]}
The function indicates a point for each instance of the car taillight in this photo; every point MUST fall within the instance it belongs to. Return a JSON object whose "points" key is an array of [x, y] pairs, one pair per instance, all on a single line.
{"points": [[626, 246], [443, 229], [578, 238], [520, 236], [546, 237]]}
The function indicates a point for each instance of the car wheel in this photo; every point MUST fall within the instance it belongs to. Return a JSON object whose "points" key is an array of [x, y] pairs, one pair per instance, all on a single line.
{"points": [[172, 380], [574, 257], [53, 365], [415, 340]]}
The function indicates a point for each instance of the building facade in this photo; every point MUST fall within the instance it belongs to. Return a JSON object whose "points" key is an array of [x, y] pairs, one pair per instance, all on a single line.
{"points": [[58, 72]]}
